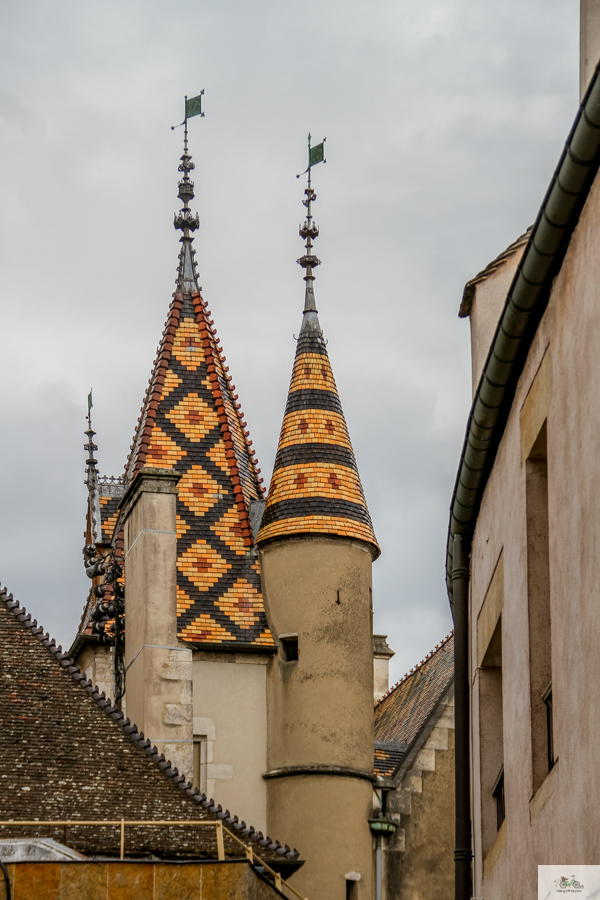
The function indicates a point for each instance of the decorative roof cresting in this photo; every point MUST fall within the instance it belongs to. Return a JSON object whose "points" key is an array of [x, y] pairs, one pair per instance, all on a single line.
{"points": [[315, 488]]}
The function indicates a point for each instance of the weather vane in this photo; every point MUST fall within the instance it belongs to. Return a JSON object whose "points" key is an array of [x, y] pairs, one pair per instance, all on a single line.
{"points": [[193, 107], [310, 230]]}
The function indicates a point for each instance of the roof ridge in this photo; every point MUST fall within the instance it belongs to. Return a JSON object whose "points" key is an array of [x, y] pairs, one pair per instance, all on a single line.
{"points": [[413, 671], [138, 738], [154, 390]]}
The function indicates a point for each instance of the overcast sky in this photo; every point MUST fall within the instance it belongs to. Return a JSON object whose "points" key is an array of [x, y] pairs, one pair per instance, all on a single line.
{"points": [[444, 122]]}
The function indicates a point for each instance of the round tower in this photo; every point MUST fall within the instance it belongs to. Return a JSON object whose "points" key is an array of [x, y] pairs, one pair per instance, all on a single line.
{"points": [[317, 546]]}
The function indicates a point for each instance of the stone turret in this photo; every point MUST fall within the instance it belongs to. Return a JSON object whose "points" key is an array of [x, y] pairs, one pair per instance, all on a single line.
{"points": [[317, 546]]}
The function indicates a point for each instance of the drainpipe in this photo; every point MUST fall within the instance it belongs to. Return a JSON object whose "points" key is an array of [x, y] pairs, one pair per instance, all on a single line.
{"points": [[378, 866], [462, 789]]}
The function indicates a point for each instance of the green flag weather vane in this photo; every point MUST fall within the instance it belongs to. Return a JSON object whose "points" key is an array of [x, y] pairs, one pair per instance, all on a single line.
{"points": [[315, 155], [193, 107]]}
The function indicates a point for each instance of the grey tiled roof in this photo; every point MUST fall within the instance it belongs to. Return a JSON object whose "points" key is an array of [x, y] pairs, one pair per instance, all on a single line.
{"points": [[66, 753]]}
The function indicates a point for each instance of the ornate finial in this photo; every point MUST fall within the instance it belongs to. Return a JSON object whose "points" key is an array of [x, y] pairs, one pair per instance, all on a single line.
{"points": [[308, 232], [185, 220], [92, 474]]}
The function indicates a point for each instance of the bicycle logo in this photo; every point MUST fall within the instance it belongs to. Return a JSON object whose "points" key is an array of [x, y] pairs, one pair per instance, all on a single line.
{"points": [[568, 885]]}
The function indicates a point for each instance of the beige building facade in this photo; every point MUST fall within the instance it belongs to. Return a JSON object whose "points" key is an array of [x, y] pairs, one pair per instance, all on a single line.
{"points": [[527, 510]]}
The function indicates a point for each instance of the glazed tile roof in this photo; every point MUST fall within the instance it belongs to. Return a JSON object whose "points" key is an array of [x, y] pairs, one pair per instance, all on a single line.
{"points": [[66, 752], [315, 488], [401, 713], [191, 422], [388, 757], [110, 494]]}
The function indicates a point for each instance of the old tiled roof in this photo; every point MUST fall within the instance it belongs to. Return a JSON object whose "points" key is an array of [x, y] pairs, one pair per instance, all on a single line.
{"points": [[191, 422], [66, 753], [388, 757], [315, 488], [469, 289], [404, 710]]}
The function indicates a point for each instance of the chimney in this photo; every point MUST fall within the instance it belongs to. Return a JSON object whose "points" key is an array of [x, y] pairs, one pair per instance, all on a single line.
{"points": [[589, 41], [158, 665], [382, 654]]}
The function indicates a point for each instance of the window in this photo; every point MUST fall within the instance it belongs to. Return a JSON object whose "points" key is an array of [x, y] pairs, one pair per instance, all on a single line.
{"points": [[200, 761], [351, 889], [491, 739], [547, 698], [538, 593], [289, 647], [498, 795]]}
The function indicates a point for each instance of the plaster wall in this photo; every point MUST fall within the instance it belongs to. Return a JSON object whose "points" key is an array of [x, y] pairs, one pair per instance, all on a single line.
{"points": [[320, 706], [561, 821], [97, 661], [137, 880], [418, 859], [230, 715], [487, 305], [327, 819], [589, 41], [381, 676], [159, 670]]}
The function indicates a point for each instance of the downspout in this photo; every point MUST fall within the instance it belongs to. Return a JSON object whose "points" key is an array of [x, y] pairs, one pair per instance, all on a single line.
{"points": [[525, 304], [378, 872], [462, 789]]}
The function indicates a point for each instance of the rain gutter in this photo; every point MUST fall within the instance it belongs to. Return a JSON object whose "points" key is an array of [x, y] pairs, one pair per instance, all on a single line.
{"points": [[525, 304]]}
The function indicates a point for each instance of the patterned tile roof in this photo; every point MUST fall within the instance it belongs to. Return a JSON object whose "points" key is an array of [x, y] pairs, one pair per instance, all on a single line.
{"points": [[54, 722], [403, 711], [191, 422], [315, 488], [388, 757]]}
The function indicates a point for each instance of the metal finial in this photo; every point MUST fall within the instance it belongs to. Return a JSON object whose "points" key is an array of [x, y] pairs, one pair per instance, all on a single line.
{"points": [[91, 473], [309, 231], [185, 220]]}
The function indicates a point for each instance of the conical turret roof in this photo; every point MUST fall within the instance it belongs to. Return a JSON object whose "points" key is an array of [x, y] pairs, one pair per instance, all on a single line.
{"points": [[315, 488]]}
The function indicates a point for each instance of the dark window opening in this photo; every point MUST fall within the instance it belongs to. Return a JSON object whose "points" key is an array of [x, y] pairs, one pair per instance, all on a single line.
{"points": [[289, 648], [351, 890], [498, 795], [547, 698]]}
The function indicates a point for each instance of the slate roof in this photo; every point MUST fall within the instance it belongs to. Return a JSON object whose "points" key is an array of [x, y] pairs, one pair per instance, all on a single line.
{"points": [[401, 713], [315, 488], [67, 753]]}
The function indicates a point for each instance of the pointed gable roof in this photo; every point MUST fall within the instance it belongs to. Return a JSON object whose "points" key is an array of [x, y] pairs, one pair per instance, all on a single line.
{"points": [[191, 422]]}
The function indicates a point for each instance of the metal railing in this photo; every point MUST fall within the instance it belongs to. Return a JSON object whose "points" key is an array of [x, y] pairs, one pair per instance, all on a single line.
{"points": [[256, 861]]}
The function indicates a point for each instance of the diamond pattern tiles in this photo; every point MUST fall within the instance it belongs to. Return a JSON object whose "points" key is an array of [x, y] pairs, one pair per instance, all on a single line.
{"points": [[316, 487], [191, 423]]}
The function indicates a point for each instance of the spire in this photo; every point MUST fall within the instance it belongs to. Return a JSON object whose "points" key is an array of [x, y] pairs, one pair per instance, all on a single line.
{"points": [[309, 231], [91, 480], [187, 222], [315, 488], [191, 422]]}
